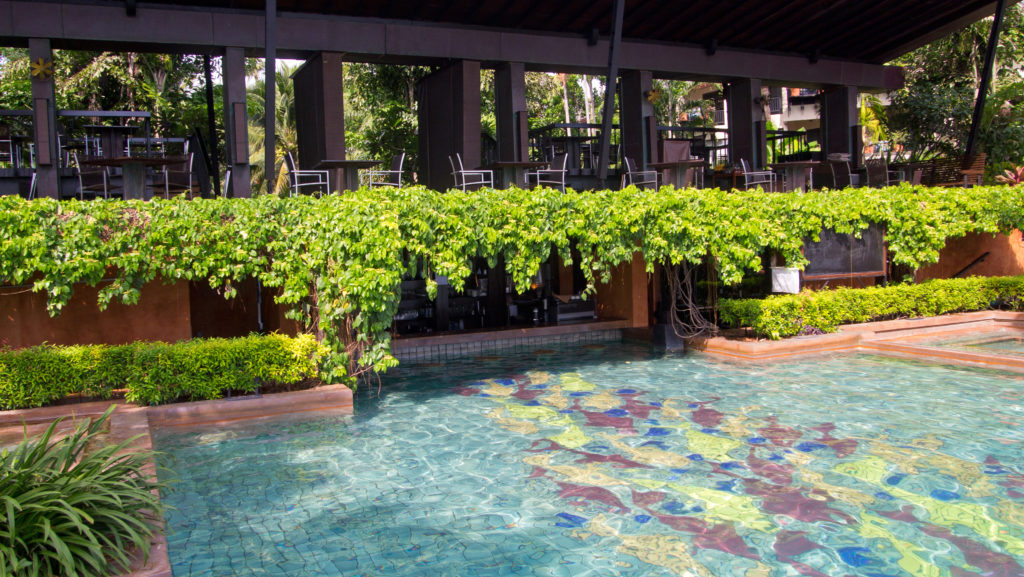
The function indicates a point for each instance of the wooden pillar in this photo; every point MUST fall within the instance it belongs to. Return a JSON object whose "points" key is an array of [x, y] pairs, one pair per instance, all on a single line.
{"points": [[636, 115], [236, 130], [510, 108], [320, 109], [839, 119], [269, 95], [44, 122], [449, 121], [746, 122], [626, 295]]}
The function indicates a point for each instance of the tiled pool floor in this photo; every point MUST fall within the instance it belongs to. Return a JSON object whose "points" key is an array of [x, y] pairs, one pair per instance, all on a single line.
{"points": [[611, 460]]}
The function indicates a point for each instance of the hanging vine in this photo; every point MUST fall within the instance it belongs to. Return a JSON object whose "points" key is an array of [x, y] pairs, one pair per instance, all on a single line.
{"points": [[337, 262]]}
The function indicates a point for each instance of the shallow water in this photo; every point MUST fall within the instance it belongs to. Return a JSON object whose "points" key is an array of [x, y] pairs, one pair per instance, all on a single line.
{"points": [[616, 461]]}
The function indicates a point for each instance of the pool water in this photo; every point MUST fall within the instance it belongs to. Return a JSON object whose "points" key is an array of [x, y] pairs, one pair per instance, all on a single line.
{"points": [[616, 461], [999, 345]]}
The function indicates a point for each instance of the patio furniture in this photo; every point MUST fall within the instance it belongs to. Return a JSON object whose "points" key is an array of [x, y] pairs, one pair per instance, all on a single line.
{"points": [[973, 170], [682, 173], [94, 182], [178, 178], [227, 183], [842, 177], [392, 177], [879, 173], [346, 172], [757, 177], [299, 179], [635, 177], [555, 175], [6, 145], [464, 178]]}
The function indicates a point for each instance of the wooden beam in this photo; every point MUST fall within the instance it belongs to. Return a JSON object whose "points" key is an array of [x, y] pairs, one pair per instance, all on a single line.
{"points": [[986, 79], [202, 30], [609, 88], [270, 97]]}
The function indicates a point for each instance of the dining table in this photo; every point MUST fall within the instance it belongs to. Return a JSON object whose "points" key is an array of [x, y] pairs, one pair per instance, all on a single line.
{"points": [[133, 171], [345, 172], [799, 173], [573, 147], [513, 172], [679, 171]]}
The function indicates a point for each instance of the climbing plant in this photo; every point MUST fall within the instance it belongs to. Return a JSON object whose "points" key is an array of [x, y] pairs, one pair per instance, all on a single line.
{"points": [[337, 262]]}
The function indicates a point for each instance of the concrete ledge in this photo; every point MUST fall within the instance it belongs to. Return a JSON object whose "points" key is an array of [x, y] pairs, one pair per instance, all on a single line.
{"points": [[891, 338], [335, 398]]}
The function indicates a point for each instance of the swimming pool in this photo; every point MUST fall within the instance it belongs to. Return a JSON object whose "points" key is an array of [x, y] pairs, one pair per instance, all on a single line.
{"points": [[618, 462]]}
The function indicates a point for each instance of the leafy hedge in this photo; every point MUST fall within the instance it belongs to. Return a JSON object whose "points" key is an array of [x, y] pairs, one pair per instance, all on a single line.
{"points": [[155, 373], [788, 315], [75, 506], [338, 261]]}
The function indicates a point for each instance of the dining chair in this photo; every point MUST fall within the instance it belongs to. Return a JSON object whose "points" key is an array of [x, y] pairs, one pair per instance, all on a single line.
{"points": [[305, 178], [392, 177], [464, 178], [91, 182], [841, 175], [636, 177], [6, 145], [32, 186], [226, 186], [757, 177], [879, 173], [178, 179], [554, 175]]}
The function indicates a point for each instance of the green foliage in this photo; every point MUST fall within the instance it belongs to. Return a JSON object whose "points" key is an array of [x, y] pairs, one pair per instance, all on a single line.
{"points": [[381, 112], [931, 116], [155, 373], [337, 262], [74, 506], [787, 315]]}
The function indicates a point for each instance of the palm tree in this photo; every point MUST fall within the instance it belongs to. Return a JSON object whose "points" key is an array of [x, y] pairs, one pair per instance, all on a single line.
{"points": [[285, 139]]}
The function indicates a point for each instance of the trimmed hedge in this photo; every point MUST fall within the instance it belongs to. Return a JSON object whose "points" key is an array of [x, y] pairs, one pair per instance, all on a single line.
{"points": [[153, 373], [823, 311]]}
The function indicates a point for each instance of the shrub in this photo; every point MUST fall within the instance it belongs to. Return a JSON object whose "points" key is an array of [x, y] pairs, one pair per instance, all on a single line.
{"points": [[155, 373], [786, 315], [69, 511]]}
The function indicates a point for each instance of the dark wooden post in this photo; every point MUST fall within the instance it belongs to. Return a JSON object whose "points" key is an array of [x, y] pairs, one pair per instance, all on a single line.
{"points": [[211, 119], [270, 97], [320, 110], [635, 113], [510, 100], [614, 53], [44, 122], [986, 79], [449, 119], [746, 126], [838, 118], [236, 129]]}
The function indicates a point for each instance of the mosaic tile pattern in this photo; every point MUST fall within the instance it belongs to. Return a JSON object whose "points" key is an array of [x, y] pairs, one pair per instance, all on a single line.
{"points": [[614, 461]]}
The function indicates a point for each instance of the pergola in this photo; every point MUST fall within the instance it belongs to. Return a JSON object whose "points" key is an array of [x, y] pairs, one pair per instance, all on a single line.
{"points": [[839, 46]]}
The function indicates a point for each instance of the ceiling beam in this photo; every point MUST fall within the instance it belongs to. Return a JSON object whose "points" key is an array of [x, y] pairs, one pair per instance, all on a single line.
{"points": [[205, 30]]}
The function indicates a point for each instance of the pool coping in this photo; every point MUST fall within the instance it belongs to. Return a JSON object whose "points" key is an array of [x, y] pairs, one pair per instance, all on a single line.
{"points": [[894, 338], [130, 420]]}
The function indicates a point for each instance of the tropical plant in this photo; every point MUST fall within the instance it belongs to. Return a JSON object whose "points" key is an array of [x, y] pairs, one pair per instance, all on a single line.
{"points": [[285, 135], [1012, 177], [75, 506], [932, 115]]}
